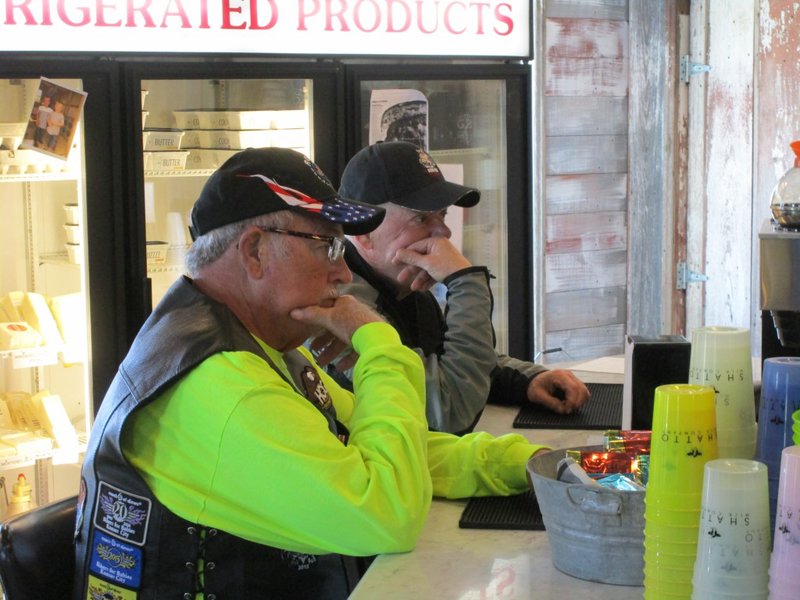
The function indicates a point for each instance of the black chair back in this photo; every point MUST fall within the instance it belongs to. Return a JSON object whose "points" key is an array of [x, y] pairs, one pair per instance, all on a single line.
{"points": [[37, 554]]}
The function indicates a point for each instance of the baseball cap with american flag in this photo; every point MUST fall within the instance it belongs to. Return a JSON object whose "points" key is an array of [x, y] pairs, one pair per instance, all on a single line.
{"points": [[258, 181]]}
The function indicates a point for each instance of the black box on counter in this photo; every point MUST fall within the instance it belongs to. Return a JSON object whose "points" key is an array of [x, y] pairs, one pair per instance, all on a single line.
{"points": [[649, 363]]}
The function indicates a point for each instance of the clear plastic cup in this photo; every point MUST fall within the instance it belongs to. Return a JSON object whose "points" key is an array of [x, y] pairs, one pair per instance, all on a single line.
{"points": [[700, 592], [785, 559], [733, 548], [721, 357]]}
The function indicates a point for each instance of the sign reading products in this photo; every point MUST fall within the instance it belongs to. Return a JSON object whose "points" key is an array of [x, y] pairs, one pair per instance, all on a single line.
{"points": [[490, 28]]}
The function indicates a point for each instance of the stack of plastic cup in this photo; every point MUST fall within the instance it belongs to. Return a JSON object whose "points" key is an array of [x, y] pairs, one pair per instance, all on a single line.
{"points": [[720, 357], [683, 440], [733, 547], [780, 397], [784, 568]]}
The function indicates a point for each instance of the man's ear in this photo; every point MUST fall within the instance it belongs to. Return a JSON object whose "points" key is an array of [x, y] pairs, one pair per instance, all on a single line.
{"points": [[250, 254]]}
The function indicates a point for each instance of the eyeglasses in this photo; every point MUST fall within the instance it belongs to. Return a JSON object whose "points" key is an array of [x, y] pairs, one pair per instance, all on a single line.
{"points": [[335, 244]]}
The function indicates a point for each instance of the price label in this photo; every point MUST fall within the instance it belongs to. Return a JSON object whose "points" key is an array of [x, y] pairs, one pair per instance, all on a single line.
{"points": [[33, 357]]}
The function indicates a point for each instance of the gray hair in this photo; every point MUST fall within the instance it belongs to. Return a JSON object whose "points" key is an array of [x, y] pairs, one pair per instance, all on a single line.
{"points": [[210, 246]]}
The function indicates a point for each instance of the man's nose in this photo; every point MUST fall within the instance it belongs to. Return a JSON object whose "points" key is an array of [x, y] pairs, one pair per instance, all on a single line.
{"points": [[340, 272], [440, 229]]}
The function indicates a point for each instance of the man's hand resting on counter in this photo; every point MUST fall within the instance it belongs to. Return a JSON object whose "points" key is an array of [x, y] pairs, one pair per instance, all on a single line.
{"points": [[559, 390]]}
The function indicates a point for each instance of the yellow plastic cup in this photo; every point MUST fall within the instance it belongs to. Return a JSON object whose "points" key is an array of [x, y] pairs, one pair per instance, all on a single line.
{"points": [[683, 439]]}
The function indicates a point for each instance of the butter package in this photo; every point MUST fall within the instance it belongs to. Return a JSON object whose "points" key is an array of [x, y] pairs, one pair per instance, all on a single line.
{"points": [[17, 335], [36, 312], [27, 443], [18, 409], [69, 312], [54, 419], [11, 303]]}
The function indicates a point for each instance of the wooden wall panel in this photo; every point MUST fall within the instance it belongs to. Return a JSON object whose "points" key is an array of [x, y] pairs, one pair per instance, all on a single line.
{"points": [[585, 162], [585, 343], [586, 77], [585, 232], [581, 115], [573, 154], [587, 38], [586, 308], [583, 270], [588, 9], [585, 193]]}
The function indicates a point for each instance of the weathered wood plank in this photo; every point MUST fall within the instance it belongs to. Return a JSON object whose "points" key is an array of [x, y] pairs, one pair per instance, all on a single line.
{"points": [[586, 154], [582, 232], [585, 115], [585, 308], [585, 193], [729, 165], [586, 343], [586, 38], [583, 270], [651, 177], [590, 9], [586, 77]]}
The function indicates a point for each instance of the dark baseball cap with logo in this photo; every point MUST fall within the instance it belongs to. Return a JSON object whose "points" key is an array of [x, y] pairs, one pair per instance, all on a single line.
{"points": [[404, 174], [258, 181]]}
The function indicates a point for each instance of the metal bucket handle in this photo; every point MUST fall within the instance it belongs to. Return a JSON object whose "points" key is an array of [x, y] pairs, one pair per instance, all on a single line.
{"points": [[591, 500]]}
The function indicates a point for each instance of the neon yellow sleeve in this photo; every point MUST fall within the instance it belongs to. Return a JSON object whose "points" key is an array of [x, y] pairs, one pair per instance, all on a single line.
{"points": [[478, 464], [234, 446]]}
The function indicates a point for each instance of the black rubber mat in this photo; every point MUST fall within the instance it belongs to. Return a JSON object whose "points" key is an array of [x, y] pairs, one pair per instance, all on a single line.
{"points": [[602, 411], [502, 512]]}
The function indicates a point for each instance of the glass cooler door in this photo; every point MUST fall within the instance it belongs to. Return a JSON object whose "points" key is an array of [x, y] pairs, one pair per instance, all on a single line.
{"points": [[191, 124], [46, 404], [472, 121]]}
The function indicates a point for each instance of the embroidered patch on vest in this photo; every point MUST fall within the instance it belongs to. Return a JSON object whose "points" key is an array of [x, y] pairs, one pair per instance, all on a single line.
{"points": [[122, 514], [297, 561], [103, 590], [116, 560], [315, 390]]}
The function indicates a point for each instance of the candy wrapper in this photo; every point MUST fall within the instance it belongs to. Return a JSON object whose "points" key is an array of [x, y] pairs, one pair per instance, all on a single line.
{"points": [[637, 441], [618, 481], [604, 462], [599, 463]]}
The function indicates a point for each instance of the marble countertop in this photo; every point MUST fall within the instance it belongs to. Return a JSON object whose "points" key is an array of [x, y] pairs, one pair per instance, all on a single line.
{"points": [[483, 564]]}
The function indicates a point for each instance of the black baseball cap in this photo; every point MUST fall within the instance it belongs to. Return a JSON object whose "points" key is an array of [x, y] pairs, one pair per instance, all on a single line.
{"points": [[258, 181], [402, 173]]}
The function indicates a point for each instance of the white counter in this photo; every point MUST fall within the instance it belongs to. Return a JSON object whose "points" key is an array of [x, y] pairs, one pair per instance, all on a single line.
{"points": [[483, 564]]}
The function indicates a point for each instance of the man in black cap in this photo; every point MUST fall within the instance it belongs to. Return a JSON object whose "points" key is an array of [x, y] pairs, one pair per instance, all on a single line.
{"points": [[394, 267], [224, 462]]}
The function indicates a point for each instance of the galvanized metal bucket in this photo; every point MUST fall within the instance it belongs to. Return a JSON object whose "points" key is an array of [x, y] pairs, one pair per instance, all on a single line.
{"points": [[595, 533]]}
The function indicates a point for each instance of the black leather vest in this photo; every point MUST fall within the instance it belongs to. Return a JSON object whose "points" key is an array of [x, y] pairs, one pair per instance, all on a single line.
{"points": [[128, 545]]}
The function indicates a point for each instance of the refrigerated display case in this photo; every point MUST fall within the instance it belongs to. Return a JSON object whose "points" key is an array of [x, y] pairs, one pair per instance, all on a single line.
{"points": [[473, 121], [194, 116], [59, 342]]}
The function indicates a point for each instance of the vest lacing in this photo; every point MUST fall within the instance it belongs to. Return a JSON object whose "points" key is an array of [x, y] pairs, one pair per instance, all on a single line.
{"points": [[200, 566]]}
